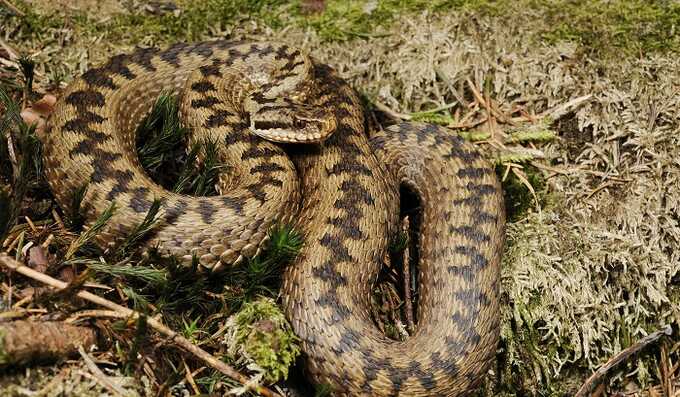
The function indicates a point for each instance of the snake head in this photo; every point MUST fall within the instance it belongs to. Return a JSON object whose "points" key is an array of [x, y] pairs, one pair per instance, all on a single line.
{"points": [[290, 122]]}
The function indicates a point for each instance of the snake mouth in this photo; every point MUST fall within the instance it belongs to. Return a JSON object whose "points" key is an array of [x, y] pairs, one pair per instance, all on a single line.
{"points": [[294, 124]]}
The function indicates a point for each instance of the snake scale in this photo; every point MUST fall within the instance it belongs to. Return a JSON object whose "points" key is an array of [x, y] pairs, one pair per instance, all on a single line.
{"points": [[340, 188]]}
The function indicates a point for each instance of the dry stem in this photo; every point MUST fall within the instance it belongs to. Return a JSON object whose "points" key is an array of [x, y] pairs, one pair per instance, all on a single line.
{"points": [[408, 305], [636, 347]]}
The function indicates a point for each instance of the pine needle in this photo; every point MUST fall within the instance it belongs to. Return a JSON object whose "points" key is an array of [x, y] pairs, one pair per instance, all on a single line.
{"points": [[161, 134], [74, 217], [91, 232], [142, 273], [204, 184], [188, 170], [140, 231], [261, 275]]}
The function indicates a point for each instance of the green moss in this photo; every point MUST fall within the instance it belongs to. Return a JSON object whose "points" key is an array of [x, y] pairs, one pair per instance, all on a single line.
{"points": [[265, 336], [343, 20], [631, 25], [192, 21], [36, 25], [518, 198], [600, 26]]}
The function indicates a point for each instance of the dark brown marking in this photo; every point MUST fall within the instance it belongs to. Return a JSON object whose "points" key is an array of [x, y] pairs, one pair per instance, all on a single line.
{"points": [[85, 147], [471, 233], [235, 203], [174, 212], [466, 155], [338, 250], [211, 69], [282, 53], [81, 126], [378, 142], [477, 260], [140, 203], [219, 118], [205, 49], [474, 172], [261, 99], [349, 226], [482, 190], [118, 65], [171, 55], [257, 191], [349, 168], [143, 57], [102, 165], [445, 137], [99, 78], [84, 99], [238, 135], [340, 312], [255, 152], [447, 366], [466, 272], [203, 86], [328, 273], [357, 192], [206, 102], [123, 179], [266, 168], [481, 217], [207, 211]]}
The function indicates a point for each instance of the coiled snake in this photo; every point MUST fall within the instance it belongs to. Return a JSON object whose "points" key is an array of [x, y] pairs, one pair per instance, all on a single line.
{"points": [[340, 189]]}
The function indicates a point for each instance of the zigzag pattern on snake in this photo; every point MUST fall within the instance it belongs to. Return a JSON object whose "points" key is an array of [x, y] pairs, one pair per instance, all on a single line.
{"points": [[340, 189]]}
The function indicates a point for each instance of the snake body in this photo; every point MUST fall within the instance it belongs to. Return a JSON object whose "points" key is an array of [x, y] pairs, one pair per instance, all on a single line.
{"points": [[341, 191]]}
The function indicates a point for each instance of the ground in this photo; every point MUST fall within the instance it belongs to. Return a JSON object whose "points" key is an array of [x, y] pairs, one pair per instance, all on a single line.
{"points": [[591, 264]]}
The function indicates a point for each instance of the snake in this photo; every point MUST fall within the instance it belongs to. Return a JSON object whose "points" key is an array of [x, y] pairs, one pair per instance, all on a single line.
{"points": [[295, 140]]}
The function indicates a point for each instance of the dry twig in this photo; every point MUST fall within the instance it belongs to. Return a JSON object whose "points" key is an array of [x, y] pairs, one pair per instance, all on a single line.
{"points": [[391, 113], [623, 355], [100, 376]]}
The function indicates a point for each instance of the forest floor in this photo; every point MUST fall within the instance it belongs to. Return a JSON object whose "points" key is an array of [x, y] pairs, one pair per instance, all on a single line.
{"points": [[577, 103]]}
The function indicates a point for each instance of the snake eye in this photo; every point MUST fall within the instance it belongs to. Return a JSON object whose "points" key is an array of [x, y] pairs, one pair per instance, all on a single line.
{"points": [[299, 123]]}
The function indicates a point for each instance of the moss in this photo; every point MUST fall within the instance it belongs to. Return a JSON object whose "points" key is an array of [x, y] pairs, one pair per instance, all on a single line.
{"points": [[265, 337], [630, 25], [518, 198], [343, 20], [191, 22], [600, 27], [603, 27], [37, 25]]}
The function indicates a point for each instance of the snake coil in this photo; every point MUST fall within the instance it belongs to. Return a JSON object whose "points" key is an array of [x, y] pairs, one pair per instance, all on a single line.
{"points": [[340, 188]]}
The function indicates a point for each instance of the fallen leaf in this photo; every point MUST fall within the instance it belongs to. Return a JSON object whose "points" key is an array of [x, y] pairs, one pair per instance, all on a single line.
{"points": [[37, 259], [37, 113]]}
